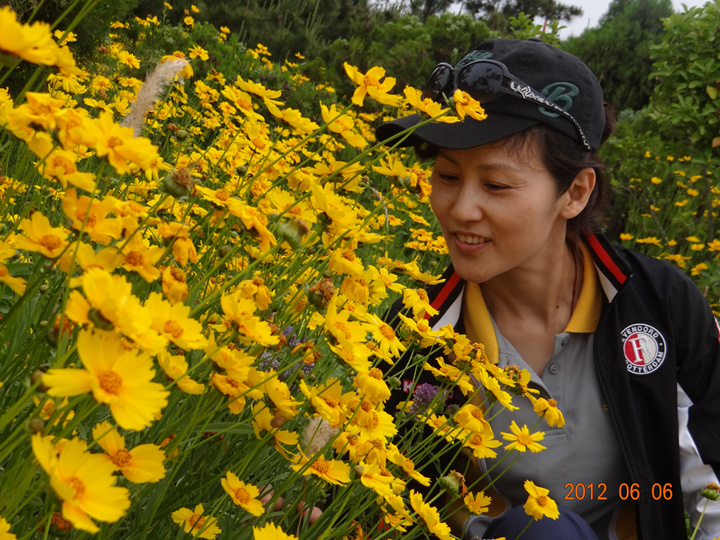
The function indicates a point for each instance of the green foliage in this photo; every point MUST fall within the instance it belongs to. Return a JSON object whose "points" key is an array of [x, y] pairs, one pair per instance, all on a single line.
{"points": [[687, 71], [618, 51], [409, 49], [90, 30], [498, 13]]}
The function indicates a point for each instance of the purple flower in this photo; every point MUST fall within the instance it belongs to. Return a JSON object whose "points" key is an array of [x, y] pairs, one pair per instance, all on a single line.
{"points": [[423, 397]]}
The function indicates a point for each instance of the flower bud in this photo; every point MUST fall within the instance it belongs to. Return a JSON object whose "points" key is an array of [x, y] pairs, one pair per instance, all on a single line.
{"points": [[181, 134], [177, 183], [711, 491], [37, 378], [451, 482], [99, 320], [37, 425]]}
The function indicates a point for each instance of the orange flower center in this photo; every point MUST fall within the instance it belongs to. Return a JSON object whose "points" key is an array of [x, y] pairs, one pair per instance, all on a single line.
{"points": [[375, 373], [77, 486], [524, 439], [343, 328], [331, 401], [387, 331], [178, 274], [3, 271], [173, 328], [242, 496], [113, 141], [134, 258], [542, 500], [370, 81], [50, 241], [221, 195], [121, 458], [321, 465], [476, 440], [196, 521], [110, 382], [552, 402]]}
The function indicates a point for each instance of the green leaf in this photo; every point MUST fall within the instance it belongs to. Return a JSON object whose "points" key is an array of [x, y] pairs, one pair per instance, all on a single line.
{"points": [[711, 91]]}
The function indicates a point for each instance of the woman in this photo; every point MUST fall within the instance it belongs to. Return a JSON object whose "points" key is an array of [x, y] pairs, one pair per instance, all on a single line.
{"points": [[625, 344]]}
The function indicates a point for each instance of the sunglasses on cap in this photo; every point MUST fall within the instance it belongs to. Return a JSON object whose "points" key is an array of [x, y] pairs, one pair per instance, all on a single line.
{"points": [[487, 81]]}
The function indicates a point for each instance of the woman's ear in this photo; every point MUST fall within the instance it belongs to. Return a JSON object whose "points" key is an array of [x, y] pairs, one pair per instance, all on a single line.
{"points": [[576, 198]]}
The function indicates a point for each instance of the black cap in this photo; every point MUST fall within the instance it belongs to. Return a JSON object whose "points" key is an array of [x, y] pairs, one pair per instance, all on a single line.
{"points": [[559, 76]]}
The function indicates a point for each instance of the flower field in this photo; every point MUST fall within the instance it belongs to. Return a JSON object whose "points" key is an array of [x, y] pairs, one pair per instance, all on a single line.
{"points": [[195, 267]]}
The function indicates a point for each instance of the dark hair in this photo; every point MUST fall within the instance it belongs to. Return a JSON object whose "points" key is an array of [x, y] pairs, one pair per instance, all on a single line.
{"points": [[564, 158]]}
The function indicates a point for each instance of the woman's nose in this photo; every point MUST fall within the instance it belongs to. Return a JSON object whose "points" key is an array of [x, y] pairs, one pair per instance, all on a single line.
{"points": [[468, 205]]}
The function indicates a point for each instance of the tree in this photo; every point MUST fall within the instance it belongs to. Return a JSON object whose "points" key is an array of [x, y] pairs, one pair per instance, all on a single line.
{"points": [[501, 10], [618, 50]]}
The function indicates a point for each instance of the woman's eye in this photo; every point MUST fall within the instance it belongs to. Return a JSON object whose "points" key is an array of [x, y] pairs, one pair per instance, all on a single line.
{"points": [[447, 177], [495, 187]]}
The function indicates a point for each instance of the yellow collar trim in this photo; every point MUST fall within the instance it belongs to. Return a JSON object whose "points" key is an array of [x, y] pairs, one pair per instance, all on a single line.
{"points": [[478, 323]]}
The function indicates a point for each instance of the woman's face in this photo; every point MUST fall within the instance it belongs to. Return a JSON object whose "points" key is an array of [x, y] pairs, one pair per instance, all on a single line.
{"points": [[499, 211]]}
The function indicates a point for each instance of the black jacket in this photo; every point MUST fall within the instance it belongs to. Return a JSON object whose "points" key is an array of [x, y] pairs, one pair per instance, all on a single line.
{"points": [[664, 399]]}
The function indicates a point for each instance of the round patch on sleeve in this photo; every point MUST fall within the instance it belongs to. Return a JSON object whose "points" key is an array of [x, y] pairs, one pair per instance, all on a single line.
{"points": [[644, 348]]}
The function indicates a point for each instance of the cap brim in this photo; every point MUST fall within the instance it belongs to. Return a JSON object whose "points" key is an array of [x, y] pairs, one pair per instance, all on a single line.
{"points": [[456, 136]]}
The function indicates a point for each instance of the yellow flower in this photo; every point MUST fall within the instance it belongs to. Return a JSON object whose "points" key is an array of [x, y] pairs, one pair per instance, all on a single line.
{"points": [[369, 85], [114, 375], [91, 217], [83, 481], [137, 255], [109, 304], [41, 236], [144, 463], [194, 522], [262, 423], [465, 105], [342, 125], [650, 240], [477, 503], [427, 106], [332, 471], [16, 284], [5, 533], [714, 245], [522, 439], [328, 400], [698, 268], [241, 312], [538, 503], [189, 20], [174, 322], [548, 409], [271, 532], [174, 284], [693, 192], [418, 301], [372, 386], [33, 43], [626, 236], [242, 494], [656, 180], [175, 366], [120, 147], [430, 516], [380, 480], [197, 51]]}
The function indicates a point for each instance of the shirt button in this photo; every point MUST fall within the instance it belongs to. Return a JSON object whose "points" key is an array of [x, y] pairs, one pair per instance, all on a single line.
{"points": [[565, 341], [553, 369]]}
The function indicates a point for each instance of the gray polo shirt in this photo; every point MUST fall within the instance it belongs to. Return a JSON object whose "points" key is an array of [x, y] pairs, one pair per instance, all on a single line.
{"points": [[582, 465]]}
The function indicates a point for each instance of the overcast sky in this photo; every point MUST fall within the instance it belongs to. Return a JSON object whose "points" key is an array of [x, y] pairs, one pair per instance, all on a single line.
{"points": [[594, 9]]}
